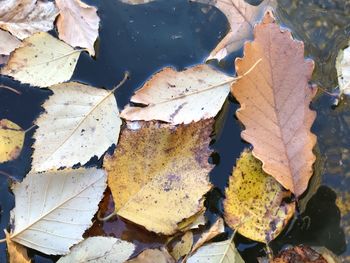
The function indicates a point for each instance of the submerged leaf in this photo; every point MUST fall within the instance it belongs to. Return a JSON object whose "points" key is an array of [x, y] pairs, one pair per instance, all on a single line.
{"points": [[180, 97], [16, 252], [242, 18], [254, 203], [23, 18], [53, 209], [11, 140], [300, 254], [78, 24], [343, 70], [80, 121], [100, 250], [183, 246], [153, 256], [159, 173], [275, 98], [42, 61]]}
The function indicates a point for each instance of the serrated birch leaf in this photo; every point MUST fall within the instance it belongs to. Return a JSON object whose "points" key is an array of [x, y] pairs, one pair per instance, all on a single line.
{"points": [[254, 204], [343, 70], [85, 122], [180, 96], [78, 24], [275, 99], [160, 194], [242, 17], [183, 246], [217, 252], [53, 209], [100, 250], [8, 42], [16, 252], [11, 140], [153, 256], [42, 61], [23, 18]]}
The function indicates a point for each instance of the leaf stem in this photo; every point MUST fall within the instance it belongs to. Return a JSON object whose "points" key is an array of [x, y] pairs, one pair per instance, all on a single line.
{"points": [[126, 76], [106, 218], [10, 89], [30, 128]]}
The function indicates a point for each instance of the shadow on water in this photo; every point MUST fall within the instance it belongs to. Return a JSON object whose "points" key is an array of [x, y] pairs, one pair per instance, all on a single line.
{"points": [[133, 38]]}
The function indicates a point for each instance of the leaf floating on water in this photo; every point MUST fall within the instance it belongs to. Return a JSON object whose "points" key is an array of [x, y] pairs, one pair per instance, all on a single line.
{"points": [[11, 140], [8, 43], [53, 209], [275, 99], [100, 250], [16, 252], [343, 70], [217, 252], [78, 24], [153, 256], [242, 17], [160, 194], [23, 18], [180, 96], [42, 61], [254, 203], [86, 122]]}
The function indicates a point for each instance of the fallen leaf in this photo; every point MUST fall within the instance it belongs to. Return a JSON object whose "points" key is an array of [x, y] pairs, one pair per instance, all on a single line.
{"points": [[254, 203], [275, 99], [42, 61], [217, 252], [23, 18], [343, 70], [53, 209], [100, 250], [180, 97], [11, 140], [160, 194], [8, 43], [193, 222], [300, 254], [136, 2], [153, 256], [242, 17], [17, 253], [78, 24], [79, 122], [216, 229], [183, 246]]}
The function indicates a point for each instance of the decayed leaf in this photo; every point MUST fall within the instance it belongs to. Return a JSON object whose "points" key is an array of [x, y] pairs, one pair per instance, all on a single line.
{"points": [[180, 97], [100, 250], [217, 252], [11, 140], [53, 209], [159, 173], [153, 256], [254, 203], [275, 99], [136, 2], [300, 254], [183, 246], [78, 24], [17, 253], [80, 121], [343, 70], [25, 17], [242, 17], [42, 60], [8, 43]]}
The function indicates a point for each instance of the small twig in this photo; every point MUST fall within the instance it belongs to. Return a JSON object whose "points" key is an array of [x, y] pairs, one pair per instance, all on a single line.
{"points": [[106, 218], [126, 76], [328, 93], [9, 176], [30, 128], [10, 89]]}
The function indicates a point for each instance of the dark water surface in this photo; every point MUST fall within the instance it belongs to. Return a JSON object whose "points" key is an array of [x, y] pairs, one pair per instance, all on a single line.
{"points": [[143, 39]]}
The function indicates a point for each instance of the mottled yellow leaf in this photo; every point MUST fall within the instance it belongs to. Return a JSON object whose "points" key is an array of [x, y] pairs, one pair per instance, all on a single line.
{"points": [[153, 256], [254, 204], [11, 140], [42, 61], [17, 253], [183, 246], [159, 173]]}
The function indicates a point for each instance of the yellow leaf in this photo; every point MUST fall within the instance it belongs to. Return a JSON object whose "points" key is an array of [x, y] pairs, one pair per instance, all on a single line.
{"points": [[254, 203], [183, 246], [17, 253], [159, 173], [42, 61], [11, 140]]}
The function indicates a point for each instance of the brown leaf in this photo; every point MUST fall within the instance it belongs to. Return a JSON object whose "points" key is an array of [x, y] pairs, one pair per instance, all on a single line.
{"points": [[300, 254], [153, 256], [275, 99], [17, 252]]}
